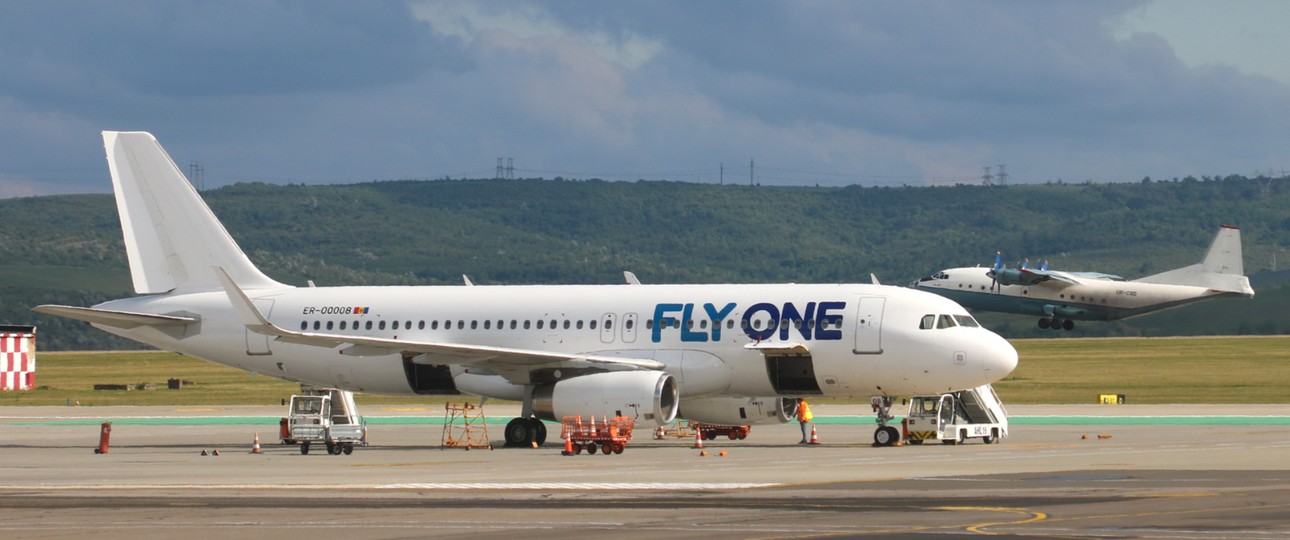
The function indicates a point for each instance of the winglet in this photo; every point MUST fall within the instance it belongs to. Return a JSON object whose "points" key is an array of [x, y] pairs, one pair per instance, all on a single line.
{"points": [[631, 278]]}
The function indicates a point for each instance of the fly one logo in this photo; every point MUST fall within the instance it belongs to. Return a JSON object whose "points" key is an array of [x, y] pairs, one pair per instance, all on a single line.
{"points": [[814, 321]]}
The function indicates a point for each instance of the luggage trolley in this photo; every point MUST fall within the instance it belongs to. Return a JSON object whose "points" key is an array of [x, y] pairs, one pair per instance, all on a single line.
{"points": [[610, 435]]}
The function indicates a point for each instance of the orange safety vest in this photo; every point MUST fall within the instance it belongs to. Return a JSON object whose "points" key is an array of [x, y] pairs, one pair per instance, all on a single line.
{"points": [[804, 412]]}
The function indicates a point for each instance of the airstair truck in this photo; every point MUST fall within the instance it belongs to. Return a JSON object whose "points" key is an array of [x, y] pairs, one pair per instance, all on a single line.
{"points": [[327, 416], [955, 417]]}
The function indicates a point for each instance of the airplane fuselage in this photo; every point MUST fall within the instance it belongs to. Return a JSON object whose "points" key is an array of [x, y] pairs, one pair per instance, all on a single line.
{"points": [[862, 339]]}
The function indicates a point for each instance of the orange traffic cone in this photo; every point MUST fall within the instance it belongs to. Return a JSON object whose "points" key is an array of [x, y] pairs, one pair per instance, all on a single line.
{"points": [[698, 438], [814, 438], [568, 445], [255, 448]]}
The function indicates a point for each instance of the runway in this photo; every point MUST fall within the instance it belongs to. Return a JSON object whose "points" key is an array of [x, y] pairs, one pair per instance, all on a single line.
{"points": [[1141, 472]]}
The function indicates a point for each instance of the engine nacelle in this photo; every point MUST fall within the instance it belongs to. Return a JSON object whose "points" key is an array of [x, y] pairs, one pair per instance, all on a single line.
{"points": [[648, 396], [739, 411]]}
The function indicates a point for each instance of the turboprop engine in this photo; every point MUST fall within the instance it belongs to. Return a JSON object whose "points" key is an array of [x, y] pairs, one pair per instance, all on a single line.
{"points": [[739, 411], [648, 396]]}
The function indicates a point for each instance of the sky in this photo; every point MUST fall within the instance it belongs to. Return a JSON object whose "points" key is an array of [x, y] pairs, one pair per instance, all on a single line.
{"points": [[793, 93]]}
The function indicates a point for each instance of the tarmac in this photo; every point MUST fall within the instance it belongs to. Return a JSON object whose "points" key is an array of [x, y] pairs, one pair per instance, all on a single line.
{"points": [[1133, 471]]}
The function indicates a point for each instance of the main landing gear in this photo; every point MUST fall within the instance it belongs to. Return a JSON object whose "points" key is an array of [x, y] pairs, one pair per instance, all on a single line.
{"points": [[524, 432], [884, 435], [1056, 324]]}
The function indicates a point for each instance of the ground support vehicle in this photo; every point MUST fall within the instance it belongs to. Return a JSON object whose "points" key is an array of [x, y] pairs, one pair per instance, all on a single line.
{"points": [[955, 417], [607, 434], [326, 416], [712, 431]]}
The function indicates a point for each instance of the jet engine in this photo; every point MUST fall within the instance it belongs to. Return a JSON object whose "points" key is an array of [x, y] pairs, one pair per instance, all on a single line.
{"points": [[648, 396], [739, 411]]}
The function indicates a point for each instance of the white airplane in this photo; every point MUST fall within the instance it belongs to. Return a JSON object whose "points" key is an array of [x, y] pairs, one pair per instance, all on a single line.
{"points": [[722, 354], [1060, 298]]}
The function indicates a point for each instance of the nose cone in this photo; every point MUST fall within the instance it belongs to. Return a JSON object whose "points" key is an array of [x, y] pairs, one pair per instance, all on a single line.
{"points": [[998, 357]]}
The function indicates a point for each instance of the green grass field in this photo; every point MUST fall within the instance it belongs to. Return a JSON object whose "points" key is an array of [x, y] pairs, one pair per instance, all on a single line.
{"points": [[1051, 371]]}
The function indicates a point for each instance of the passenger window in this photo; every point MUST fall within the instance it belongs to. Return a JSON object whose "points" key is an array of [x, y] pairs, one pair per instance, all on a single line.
{"points": [[369, 325], [540, 322], [513, 324], [317, 325], [329, 325], [579, 324], [592, 324], [649, 324], [342, 325], [461, 325], [474, 325], [488, 325], [304, 325], [526, 325], [730, 324], [381, 325], [609, 325], [434, 325], [421, 325], [628, 324], [566, 324], [394, 325]]}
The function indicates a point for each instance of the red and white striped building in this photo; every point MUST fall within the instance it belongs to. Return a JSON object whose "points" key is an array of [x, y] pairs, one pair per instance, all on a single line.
{"points": [[17, 357]]}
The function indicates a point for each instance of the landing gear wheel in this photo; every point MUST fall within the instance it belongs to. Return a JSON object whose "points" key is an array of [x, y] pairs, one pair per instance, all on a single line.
{"points": [[885, 436], [1057, 324], [348, 449], [1044, 323], [304, 448], [1068, 325], [520, 432]]}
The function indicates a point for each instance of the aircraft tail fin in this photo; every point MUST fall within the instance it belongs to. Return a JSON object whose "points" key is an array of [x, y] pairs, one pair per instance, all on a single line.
{"points": [[1222, 270], [172, 238]]}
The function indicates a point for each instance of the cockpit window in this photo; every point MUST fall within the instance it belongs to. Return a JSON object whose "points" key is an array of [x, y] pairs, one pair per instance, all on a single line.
{"points": [[945, 321], [929, 321], [967, 320]]}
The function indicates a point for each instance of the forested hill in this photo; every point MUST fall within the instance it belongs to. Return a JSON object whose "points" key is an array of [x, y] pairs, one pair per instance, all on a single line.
{"points": [[68, 249]]}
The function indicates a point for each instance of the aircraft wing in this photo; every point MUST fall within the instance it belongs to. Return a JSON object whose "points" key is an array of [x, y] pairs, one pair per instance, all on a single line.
{"points": [[1061, 279], [514, 364]]}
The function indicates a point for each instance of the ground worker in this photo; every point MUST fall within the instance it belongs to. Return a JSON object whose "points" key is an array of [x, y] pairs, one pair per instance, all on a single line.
{"points": [[804, 417]]}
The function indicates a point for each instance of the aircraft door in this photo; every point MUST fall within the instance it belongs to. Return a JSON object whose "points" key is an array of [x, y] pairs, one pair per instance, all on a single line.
{"points": [[869, 325], [629, 328], [607, 329], [258, 344]]}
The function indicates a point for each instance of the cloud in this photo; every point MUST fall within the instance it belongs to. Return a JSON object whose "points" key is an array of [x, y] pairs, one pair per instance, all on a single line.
{"points": [[827, 92]]}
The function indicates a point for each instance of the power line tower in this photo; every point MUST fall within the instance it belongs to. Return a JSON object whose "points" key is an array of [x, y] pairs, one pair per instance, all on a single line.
{"points": [[197, 176], [750, 172], [987, 179], [1002, 177], [506, 172]]}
